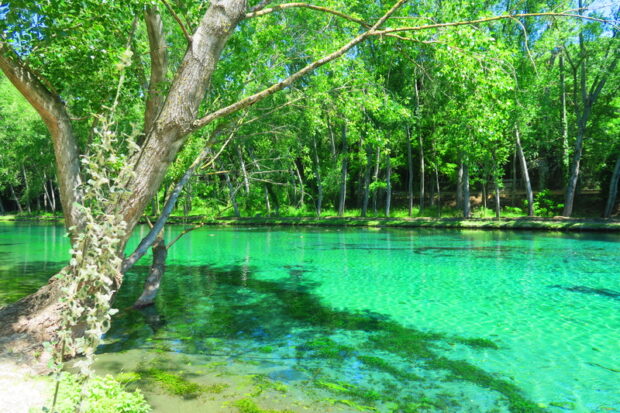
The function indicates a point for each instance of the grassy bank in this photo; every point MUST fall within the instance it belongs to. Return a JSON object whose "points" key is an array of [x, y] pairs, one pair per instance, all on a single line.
{"points": [[548, 224]]}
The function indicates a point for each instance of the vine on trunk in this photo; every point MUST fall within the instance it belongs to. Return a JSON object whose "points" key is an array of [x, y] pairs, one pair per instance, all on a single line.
{"points": [[93, 276]]}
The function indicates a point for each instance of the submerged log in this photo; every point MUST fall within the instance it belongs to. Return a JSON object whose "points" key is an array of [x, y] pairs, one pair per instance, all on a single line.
{"points": [[153, 281]]}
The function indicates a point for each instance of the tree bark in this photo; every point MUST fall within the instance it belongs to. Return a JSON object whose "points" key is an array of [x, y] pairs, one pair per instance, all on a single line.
{"points": [[526, 175], [613, 190]]}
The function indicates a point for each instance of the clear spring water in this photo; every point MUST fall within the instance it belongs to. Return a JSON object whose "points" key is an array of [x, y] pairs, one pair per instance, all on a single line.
{"points": [[392, 319]]}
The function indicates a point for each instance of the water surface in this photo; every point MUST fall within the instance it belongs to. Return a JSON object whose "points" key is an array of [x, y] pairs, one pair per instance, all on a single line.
{"points": [[397, 320]]}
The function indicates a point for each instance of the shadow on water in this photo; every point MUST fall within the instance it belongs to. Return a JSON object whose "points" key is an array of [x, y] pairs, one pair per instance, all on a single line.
{"points": [[242, 315], [603, 292], [17, 281]]}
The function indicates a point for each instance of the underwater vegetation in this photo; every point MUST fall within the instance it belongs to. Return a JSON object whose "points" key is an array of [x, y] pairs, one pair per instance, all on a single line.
{"points": [[265, 312]]}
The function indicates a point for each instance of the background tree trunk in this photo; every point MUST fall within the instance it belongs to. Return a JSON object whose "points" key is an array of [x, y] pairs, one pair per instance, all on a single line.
{"points": [[613, 190], [343, 172], [317, 172], [409, 173], [459, 186], [526, 176], [388, 187], [466, 197], [366, 189]]}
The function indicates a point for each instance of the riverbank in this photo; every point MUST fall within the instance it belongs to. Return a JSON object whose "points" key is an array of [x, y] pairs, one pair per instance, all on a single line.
{"points": [[518, 223], [545, 224], [21, 390]]}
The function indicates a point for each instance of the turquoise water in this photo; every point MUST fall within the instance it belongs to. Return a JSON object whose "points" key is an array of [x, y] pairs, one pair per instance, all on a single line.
{"points": [[392, 319]]}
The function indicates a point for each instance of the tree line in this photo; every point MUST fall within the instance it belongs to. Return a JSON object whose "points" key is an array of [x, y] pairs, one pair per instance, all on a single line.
{"points": [[507, 111]]}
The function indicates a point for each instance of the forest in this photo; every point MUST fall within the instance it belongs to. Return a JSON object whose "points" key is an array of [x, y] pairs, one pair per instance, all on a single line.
{"points": [[120, 119], [519, 114]]}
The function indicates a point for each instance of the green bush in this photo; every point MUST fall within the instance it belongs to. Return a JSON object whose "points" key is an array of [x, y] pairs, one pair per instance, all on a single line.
{"points": [[545, 206], [104, 395]]}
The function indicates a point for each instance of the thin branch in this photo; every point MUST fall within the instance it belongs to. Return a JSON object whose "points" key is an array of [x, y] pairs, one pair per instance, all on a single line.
{"points": [[158, 51], [260, 6], [306, 6], [526, 41], [184, 232], [250, 100], [485, 20], [176, 17], [317, 8]]}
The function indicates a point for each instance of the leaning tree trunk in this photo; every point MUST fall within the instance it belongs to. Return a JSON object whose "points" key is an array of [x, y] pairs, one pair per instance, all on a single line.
{"points": [[153, 281], [613, 190], [526, 175]]}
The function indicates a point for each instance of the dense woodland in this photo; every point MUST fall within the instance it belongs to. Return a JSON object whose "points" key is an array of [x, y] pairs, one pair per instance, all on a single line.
{"points": [[518, 115]]}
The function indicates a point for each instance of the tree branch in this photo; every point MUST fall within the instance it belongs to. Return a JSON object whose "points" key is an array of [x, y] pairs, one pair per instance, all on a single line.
{"points": [[484, 20], [158, 51], [250, 100], [176, 17], [54, 113], [260, 6]]}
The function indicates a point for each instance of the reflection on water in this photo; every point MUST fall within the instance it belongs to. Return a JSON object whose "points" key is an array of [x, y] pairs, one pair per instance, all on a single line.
{"points": [[397, 320]]}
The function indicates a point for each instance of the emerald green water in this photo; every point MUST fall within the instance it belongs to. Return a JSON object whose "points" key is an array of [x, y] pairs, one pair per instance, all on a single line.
{"points": [[393, 319]]}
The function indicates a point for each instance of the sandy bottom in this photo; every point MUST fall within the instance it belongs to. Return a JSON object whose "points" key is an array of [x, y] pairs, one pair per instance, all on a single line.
{"points": [[21, 390]]}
